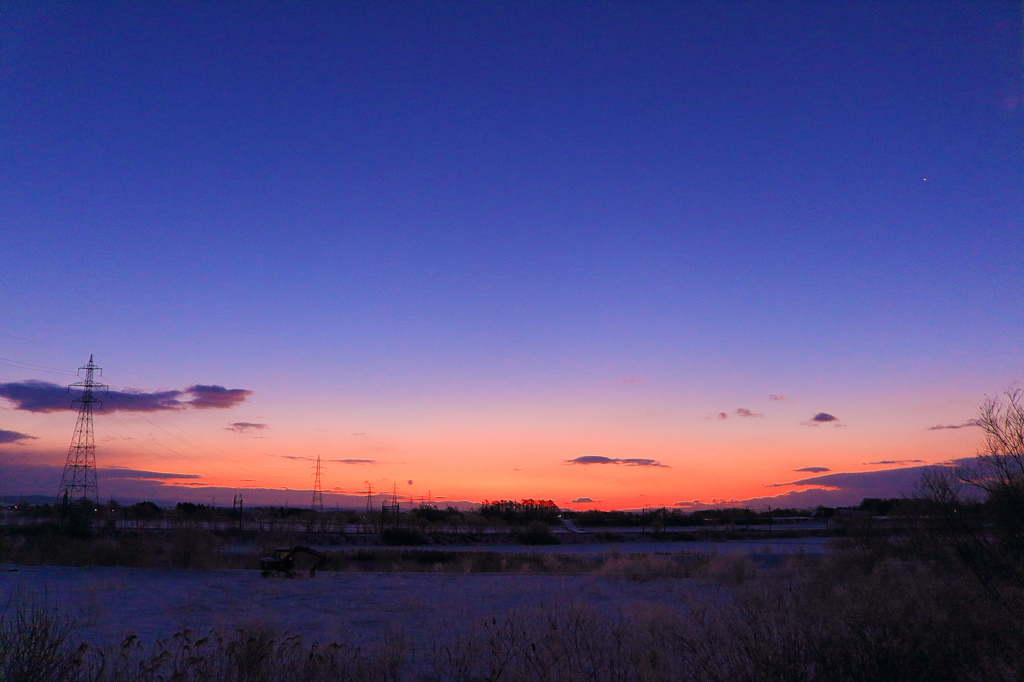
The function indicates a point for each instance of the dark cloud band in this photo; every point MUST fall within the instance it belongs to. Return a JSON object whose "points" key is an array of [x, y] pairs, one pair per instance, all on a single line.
{"points": [[245, 427], [143, 475], [213, 397], [7, 437], [898, 462], [43, 396]]}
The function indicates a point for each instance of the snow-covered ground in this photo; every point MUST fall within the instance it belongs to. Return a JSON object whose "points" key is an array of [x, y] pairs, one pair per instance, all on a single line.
{"points": [[107, 604], [809, 545]]}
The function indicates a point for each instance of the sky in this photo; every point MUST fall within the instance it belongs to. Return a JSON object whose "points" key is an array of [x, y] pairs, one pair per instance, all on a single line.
{"points": [[613, 254]]}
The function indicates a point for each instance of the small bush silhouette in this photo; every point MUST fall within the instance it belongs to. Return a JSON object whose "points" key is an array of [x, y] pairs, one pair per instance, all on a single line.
{"points": [[537, 533], [402, 536]]}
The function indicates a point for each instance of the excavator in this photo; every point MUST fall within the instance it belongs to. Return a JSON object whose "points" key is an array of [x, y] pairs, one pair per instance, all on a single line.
{"points": [[283, 562]]}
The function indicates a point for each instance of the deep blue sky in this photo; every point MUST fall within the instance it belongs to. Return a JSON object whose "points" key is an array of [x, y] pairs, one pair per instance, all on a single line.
{"points": [[406, 205]]}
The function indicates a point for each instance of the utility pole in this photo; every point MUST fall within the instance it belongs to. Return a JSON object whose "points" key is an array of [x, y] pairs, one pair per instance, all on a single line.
{"points": [[79, 478], [236, 510], [318, 493], [391, 509]]}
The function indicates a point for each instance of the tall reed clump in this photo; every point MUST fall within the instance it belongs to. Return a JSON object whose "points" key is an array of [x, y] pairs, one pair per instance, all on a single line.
{"points": [[35, 648], [35, 645], [895, 622]]}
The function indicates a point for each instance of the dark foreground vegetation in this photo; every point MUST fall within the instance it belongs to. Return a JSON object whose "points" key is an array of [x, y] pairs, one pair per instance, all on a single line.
{"points": [[414, 525], [868, 611], [195, 548]]}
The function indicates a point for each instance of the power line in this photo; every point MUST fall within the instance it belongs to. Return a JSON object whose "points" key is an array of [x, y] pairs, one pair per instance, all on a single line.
{"points": [[206, 465], [235, 461], [19, 364], [136, 444]]}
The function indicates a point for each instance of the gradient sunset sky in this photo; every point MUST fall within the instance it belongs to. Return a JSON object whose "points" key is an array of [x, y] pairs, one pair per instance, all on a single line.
{"points": [[615, 254]]}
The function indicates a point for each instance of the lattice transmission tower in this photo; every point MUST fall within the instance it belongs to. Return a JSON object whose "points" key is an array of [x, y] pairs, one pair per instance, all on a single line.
{"points": [[79, 478], [318, 493]]}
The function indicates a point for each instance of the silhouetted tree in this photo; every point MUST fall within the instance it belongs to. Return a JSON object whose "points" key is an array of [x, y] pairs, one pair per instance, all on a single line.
{"points": [[988, 537], [522, 512], [999, 471]]}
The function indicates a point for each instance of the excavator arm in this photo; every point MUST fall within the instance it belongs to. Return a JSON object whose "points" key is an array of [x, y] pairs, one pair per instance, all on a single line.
{"points": [[299, 549], [283, 561]]}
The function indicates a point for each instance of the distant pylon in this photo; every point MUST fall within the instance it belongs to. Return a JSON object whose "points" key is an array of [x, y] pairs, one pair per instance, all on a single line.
{"points": [[318, 493], [79, 478]]}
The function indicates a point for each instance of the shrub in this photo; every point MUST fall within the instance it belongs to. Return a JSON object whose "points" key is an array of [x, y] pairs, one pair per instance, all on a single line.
{"points": [[34, 645], [402, 536], [641, 567], [729, 569], [193, 548], [537, 533]]}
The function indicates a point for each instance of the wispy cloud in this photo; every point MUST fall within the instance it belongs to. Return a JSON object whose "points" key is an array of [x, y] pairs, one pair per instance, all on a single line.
{"points": [[848, 488], [969, 422], [738, 412], [245, 427], [813, 470], [823, 418], [863, 479], [774, 397], [8, 437], [633, 381], [897, 462], [306, 458], [43, 396], [626, 461], [140, 474]]}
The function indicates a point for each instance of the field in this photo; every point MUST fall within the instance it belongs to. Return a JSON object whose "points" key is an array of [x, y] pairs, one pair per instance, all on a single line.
{"points": [[786, 608], [107, 604]]}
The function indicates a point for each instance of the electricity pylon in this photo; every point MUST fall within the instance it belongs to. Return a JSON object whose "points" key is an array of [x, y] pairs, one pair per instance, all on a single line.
{"points": [[79, 478], [318, 493]]}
